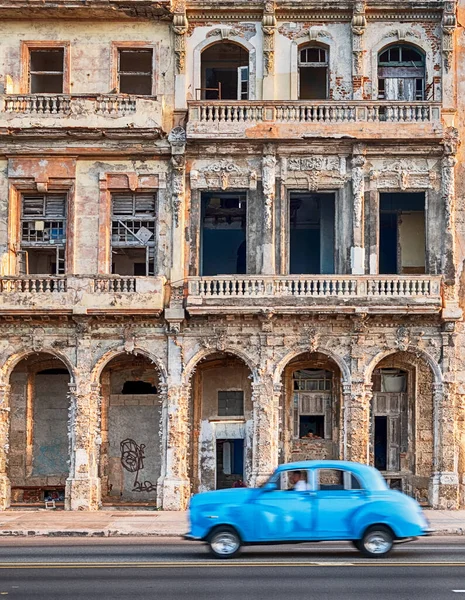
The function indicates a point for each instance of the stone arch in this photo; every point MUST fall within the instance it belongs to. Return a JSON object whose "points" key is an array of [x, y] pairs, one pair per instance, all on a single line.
{"points": [[341, 363], [38, 394], [13, 360], [216, 36], [402, 37], [403, 436], [201, 355], [104, 360], [320, 38], [434, 366], [132, 393]]}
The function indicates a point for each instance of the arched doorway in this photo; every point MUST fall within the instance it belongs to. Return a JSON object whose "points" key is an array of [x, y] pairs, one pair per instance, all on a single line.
{"points": [[402, 423], [312, 408], [222, 423], [130, 459], [39, 447], [401, 73], [225, 72]]}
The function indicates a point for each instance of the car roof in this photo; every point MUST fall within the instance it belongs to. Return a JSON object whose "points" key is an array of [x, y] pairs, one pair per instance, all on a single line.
{"points": [[355, 467]]}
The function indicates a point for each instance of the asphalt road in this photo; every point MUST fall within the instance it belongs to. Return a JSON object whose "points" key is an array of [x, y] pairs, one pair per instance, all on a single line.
{"points": [[147, 568]]}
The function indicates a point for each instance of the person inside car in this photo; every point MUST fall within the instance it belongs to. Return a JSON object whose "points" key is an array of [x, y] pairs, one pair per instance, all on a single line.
{"points": [[298, 480]]}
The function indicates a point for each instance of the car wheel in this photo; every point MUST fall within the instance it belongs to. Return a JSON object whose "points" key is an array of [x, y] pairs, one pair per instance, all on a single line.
{"points": [[377, 542], [224, 542]]}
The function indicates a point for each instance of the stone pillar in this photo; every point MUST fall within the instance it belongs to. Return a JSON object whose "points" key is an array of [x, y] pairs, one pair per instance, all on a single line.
{"points": [[358, 29], [179, 27], [449, 25], [268, 28], [174, 485], [444, 486], [448, 200], [269, 194], [83, 484], [357, 252], [177, 140], [357, 422], [5, 486], [266, 398]]}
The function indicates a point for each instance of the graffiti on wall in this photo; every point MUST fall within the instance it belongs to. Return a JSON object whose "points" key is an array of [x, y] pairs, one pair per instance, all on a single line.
{"points": [[132, 459]]}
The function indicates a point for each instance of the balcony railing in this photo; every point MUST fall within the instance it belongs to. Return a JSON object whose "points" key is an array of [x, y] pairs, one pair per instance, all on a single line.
{"points": [[216, 117], [370, 293], [314, 287], [80, 293], [60, 104]]}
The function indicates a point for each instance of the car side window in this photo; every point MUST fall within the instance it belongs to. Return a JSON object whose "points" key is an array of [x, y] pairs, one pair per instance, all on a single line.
{"points": [[297, 480], [337, 480]]}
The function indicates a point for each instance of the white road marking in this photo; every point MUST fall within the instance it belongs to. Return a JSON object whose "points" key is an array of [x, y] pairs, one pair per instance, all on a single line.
{"points": [[459, 591]]}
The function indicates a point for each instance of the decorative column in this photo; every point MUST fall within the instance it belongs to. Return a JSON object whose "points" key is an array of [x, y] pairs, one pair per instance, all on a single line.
{"points": [[174, 484], [5, 486], [449, 25], [269, 195], [357, 252], [83, 484], [266, 398], [450, 143], [179, 27], [177, 140], [268, 28], [359, 23]]}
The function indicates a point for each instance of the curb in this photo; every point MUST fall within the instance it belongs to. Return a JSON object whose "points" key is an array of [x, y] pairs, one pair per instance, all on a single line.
{"points": [[84, 533], [104, 533]]}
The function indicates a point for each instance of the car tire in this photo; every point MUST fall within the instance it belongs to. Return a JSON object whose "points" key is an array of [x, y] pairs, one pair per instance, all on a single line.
{"points": [[377, 542], [224, 542]]}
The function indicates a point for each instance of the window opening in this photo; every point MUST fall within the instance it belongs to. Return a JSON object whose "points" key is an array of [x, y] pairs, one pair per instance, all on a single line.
{"points": [[43, 234], [223, 245], [312, 402], [330, 480], [401, 74], [135, 71], [230, 403], [381, 443], [402, 235], [46, 70], [224, 72], [313, 73], [138, 387], [133, 233], [312, 226]]}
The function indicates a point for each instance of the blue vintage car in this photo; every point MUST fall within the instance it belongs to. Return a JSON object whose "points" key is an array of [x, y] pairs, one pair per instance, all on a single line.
{"points": [[305, 502]]}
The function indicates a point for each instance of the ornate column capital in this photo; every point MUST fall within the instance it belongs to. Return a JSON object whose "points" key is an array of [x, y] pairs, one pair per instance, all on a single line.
{"points": [[269, 25]]}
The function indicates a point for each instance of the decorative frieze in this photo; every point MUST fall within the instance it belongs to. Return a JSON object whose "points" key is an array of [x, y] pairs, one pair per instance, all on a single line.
{"points": [[223, 174]]}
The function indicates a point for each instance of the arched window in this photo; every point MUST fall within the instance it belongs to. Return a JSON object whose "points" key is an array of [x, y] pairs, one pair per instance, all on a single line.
{"points": [[401, 73], [313, 73], [225, 72]]}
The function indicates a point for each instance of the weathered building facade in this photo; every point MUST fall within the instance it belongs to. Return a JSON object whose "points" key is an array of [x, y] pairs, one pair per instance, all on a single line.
{"points": [[230, 236]]}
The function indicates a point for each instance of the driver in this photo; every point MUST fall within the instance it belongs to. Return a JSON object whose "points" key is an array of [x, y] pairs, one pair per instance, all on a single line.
{"points": [[298, 480]]}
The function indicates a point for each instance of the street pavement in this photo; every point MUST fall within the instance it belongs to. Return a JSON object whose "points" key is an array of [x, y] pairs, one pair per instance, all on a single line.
{"points": [[109, 523], [143, 568]]}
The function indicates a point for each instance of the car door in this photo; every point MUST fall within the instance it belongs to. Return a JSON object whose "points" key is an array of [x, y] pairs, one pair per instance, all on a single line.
{"points": [[339, 495], [283, 513]]}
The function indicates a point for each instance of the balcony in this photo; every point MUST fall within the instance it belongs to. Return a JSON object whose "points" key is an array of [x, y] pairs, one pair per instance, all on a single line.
{"points": [[298, 119], [318, 293], [62, 110], [77, 294]]}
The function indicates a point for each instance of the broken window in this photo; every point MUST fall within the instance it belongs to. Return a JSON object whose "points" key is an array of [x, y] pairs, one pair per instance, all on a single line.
{"points": [[43, 234], [135, 68], [225, 72], [312, 403], [230, 403], [389, 418], [46, 70], [401, 73], [133, 233], [313, 73], [311, 235], [402, 236], [223, 244]]}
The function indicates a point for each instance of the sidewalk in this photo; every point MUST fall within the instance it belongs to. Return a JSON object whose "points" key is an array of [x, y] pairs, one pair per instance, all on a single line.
{"points": [[107, 523]]}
